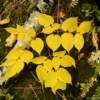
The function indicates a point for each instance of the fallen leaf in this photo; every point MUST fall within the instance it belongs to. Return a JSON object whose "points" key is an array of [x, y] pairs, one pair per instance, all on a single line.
{"points": [[95, 40]]}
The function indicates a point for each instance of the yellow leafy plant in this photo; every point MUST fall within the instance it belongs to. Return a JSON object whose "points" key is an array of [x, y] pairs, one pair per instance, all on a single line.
{"points": [[48, 23], [51, 66], [19, 33], [51, 74], [14, 61]]}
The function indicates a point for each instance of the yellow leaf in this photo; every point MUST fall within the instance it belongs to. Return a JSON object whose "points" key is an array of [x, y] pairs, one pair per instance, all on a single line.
{"points": [[15, 53], [56, 62], [20, 29], [48, 65], [55, 26], [67, 61], [30, 33], [70, 24], [59, 85], [41, 73], [67, 41], [64, 76], [20, 65], [79, 41], [20, 53], [44, 19], [84, 27], [51, 79], [47, 30], [26, 56], [39, 60], [51, 29], [59, 53], [53, 42], [20, 32], [26, 34], [11, 30], [37, 45], [13, 70], [8, 63]]}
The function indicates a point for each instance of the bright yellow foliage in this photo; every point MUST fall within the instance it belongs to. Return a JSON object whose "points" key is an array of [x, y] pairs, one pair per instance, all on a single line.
{"points": [[59, 54], [53, 42], [60, 85], [25, 34], [37, 45], [67, 41], [15, 61], [51, 29], [47, 30], [15, 53], [52, 75], [48, 65], [64, 76], [39, 60], [67, 61], [70, 24], [52, 70], [12, 30], [44, 19], [51, 79], [56, 61], [84, 27], [41, 73], [55, 26], [14, 69], [79, 41], [7, 63], [26, 56]]}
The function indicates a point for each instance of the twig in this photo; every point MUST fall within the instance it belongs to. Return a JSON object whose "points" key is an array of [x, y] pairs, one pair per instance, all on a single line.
{"points": [[34, 93]]}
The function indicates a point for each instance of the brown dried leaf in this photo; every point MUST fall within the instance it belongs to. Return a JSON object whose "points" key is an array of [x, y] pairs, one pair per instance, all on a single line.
{"points": [[61, 14], [80, 56], [95, 40]]}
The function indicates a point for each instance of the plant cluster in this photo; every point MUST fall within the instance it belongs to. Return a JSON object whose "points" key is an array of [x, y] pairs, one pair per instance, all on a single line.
{"points": [[51, 67]]}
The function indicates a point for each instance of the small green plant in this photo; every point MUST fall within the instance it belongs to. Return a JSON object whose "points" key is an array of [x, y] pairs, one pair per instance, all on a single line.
{"points": [[5, 96]]}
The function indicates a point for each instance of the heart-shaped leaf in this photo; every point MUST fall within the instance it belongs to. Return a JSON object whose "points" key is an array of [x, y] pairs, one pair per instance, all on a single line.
{"points": [[67, 41], [53, 42], [37, 45]]}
